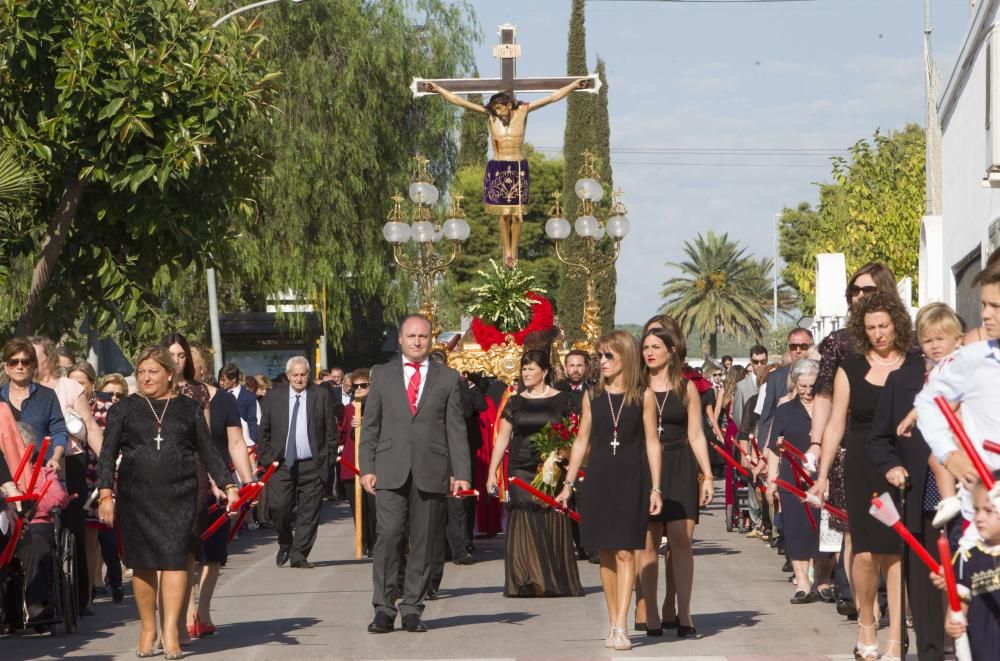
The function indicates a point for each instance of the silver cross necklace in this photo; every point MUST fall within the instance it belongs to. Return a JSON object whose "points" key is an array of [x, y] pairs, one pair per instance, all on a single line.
{"points": [[615, 417], [659, 410], [159, 419]]}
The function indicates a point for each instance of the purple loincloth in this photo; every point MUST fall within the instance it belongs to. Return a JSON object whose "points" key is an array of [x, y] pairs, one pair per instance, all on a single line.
{"points": [[505, 186]]}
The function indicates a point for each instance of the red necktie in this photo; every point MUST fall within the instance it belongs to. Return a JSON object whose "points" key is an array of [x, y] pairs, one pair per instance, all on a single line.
{"points": [[413, 387]]}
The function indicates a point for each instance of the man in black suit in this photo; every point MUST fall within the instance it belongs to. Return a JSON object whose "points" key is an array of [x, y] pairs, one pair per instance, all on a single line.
{"points": [[903, 461], [231, 379], [577, 366], [297, 426], [413, 451]]}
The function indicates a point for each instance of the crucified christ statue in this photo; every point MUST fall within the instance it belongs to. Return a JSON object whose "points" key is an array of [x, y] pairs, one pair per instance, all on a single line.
{"points": [[505, 184]]}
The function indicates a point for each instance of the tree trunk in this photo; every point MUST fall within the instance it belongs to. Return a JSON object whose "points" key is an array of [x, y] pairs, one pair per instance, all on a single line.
{"points": [[713, 344], [51, 249]]}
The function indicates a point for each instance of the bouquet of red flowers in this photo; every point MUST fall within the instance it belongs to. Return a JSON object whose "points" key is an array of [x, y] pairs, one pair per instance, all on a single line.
{"points": [[553, 442]]}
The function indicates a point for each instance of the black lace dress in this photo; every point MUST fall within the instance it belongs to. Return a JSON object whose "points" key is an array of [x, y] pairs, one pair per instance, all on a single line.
{"points": [[158, 488], [540, 558]]}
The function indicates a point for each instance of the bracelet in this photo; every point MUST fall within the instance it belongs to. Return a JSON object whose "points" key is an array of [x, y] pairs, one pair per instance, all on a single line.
{"points": [[230, 486], [816, 444], [106, 498], [655, 490]]}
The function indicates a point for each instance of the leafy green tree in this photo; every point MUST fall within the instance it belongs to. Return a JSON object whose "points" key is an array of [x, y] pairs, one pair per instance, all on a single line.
{"points": [[721, 289], [474, 137], [871, 212], [341, 143], [134, 112]]}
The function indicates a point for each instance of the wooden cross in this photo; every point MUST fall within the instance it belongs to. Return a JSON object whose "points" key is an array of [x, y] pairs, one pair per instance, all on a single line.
{"points": [[507, 51]]}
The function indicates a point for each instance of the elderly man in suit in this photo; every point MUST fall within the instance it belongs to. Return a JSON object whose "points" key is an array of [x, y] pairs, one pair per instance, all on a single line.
{"points": [[298, 428], [412, 434], [800, 341]]}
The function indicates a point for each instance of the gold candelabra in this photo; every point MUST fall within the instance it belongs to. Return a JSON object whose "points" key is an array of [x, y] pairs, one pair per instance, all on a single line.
{"points": [[588, 260], [429, 261]]}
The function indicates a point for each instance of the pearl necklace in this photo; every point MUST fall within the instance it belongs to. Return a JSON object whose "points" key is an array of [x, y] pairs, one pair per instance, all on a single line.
{"points": [[875, 359], [542, 396]]}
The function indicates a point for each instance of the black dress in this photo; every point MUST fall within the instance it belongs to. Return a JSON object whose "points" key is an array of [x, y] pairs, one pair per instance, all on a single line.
{"points": [[224, 414], [678, 468], [158, 488], [863, 480], [614, 509], [792, 421], [540, 560]]}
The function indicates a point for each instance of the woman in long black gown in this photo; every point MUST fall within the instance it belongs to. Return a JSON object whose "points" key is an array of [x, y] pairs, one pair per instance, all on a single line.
{"points": [[618, 426], [157, 434], [540, 560]]}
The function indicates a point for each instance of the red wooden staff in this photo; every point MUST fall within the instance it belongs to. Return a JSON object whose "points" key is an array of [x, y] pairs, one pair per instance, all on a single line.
{"points": [[8, 552], [991, 446], [885, 511], [962, 650], [243, 499], [545, 498], [24, 461], [736, 465], [963, 439], [792, 489], [38, 464]]}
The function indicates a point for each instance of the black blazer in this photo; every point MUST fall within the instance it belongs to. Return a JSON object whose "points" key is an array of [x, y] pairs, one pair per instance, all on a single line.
{"points": [[321, 426], [886, 450], [246, 403]]}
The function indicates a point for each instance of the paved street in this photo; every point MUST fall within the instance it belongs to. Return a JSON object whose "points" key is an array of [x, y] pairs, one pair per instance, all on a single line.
{"points": [[741, 611]]}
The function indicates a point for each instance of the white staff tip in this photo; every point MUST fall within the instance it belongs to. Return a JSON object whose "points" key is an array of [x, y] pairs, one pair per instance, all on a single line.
{"points": [[884, 510]]}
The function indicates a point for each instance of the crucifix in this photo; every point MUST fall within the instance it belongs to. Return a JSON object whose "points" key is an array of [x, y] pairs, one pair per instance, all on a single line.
{"points": [[158, 439], [505, 184]]}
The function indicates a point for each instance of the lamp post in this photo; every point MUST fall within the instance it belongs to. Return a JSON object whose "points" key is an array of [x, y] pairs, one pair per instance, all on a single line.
{"points": [[237, 12], [429, 261], [592, 231]]}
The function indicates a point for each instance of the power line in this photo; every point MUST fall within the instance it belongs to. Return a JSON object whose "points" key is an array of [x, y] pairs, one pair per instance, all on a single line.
{"points": [[717, 151], [731, 164]]}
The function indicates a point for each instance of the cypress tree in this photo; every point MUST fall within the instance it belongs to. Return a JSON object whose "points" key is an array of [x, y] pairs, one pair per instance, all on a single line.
{"points": [[579, 135], [601, 146]]}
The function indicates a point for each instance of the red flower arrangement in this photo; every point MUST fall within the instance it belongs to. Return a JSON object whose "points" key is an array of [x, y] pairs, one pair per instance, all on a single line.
{"points": [[542, 318]]}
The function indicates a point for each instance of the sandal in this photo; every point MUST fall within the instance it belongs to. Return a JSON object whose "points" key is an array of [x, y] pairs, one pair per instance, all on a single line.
{"points": [[863, 652], [622, 642], [890, 657]]}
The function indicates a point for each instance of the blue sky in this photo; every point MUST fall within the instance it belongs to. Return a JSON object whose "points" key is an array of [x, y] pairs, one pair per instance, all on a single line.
{"points": [[814, 76]]}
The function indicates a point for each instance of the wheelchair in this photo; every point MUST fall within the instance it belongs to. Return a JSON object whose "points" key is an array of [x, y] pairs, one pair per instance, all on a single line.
{"points": [[63, 595]]}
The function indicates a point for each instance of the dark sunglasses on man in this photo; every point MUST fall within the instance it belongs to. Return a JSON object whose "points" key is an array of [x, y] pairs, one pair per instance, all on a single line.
{"points": [[867, 290], [800, 346], [761, 361]]}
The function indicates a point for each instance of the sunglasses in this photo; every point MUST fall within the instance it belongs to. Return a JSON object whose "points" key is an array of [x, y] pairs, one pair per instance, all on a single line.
{"points": [[800, 346], [362, 386], [23, 362], [759, 362], [867, 290], [606, 355]]}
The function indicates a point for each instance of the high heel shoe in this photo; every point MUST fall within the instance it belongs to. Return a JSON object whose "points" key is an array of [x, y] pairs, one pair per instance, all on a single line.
{"points": [[889, 657], [622, 642], [863, 652], [143, 654], [173, 655], [685, 631], [609, 642]]}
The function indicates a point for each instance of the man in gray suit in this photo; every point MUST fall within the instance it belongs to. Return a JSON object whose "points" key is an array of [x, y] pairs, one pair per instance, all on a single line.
{"points": [[297, 426], [412, 434], [800, 340]]}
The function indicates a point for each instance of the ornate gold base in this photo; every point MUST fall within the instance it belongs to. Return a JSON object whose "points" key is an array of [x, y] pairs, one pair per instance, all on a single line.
{"points": [[502, 361]]}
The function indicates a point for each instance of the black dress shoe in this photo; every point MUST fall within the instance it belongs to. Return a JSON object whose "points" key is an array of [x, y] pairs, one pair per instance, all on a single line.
{"points": [[432, 595], [414, 624], [787, 567], [684, 631], [847, 608], [803, 597], [117, 595], [302, 564], [382, 623], [282, 559], [466, 559], [594, 558]]}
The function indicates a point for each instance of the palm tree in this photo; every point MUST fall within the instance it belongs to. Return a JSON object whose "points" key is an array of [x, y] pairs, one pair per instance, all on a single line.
{"points": [[16, 181], [721, 289]]}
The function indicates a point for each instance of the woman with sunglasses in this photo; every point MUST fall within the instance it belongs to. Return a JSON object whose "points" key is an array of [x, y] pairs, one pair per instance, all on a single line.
{"points": [[618, 427], [361, 383]]}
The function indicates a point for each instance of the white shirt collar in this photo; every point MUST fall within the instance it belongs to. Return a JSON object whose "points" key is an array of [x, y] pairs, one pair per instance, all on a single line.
{"points": [[236, 391]]}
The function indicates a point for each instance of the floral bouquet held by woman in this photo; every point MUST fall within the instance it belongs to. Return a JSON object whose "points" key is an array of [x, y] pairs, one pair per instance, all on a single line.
{"points": [[553, 442]]}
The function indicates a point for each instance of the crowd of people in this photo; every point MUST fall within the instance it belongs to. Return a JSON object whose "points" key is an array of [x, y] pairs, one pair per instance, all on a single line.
{"points": [[138, 469]]}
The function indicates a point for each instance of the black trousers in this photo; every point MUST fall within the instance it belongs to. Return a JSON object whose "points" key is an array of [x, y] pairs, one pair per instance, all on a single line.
{"points": [[423, 514], [35, 550], [926, 603], [296, 492], [368, 519]]}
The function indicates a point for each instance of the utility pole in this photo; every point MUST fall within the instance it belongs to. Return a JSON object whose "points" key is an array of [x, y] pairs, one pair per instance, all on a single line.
{"points": [[774, 266], [933, 126]]}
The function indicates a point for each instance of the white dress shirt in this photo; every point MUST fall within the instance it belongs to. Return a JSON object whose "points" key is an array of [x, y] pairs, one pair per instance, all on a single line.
{"points": [[408, 374], [970, 378], [301, 431]]}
